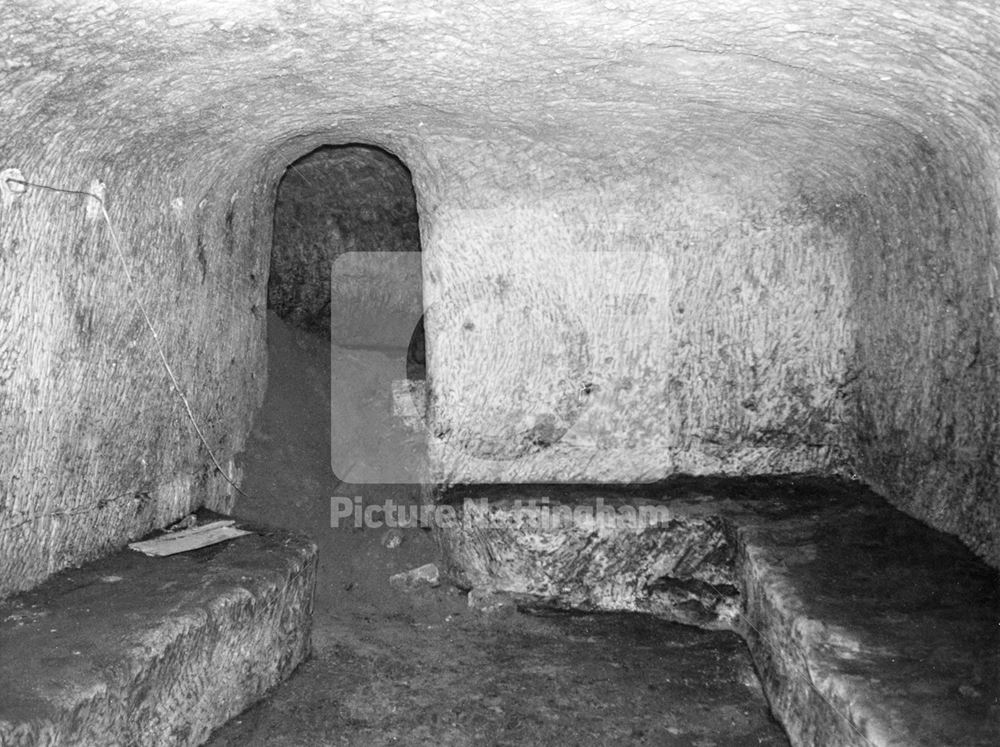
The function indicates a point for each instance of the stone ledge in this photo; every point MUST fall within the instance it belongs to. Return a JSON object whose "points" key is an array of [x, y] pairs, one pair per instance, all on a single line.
{"points": [[867, 627], [133, 650]]}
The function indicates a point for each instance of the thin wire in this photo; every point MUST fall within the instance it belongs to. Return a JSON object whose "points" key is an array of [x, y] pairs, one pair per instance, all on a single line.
{"points": [[145, 316]]}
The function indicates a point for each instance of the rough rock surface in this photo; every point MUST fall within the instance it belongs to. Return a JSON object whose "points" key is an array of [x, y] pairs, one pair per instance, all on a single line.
{"points": [[560, 546], [133, 650], [868, 627]]}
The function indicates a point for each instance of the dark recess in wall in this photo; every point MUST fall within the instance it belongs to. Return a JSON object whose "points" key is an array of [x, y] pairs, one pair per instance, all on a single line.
{"points": [[333, 200]]}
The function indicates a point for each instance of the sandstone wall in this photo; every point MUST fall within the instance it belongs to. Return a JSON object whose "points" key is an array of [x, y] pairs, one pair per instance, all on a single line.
{"points": [[927, 413], [678, 323], [96, 447]]}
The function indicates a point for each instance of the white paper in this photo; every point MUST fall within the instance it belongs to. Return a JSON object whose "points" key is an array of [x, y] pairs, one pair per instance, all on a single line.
{"points": [[189, 539]]}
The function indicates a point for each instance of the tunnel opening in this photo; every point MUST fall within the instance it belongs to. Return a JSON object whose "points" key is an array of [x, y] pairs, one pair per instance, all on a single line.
{"points": [[334, 201], [346, 269]]}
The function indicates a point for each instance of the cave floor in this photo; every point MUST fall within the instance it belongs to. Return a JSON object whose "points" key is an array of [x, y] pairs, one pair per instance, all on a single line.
{"points": [[391, 667], [422, 667], [901, 616], [420, 678]]}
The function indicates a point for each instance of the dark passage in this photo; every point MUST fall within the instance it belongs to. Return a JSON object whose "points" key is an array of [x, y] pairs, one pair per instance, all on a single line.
{"points": [[337, 201]]}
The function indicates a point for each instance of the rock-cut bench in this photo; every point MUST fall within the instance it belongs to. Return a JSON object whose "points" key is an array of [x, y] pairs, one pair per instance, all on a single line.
{"points": [[137, 650], [866, 626]]}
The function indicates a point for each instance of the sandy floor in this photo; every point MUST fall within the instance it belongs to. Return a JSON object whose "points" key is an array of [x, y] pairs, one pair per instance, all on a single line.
{"points": [[421, 667]]}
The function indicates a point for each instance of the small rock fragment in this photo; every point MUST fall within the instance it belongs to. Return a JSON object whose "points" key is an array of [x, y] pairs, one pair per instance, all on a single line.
{"points": [[416, 577], [392, 539]]}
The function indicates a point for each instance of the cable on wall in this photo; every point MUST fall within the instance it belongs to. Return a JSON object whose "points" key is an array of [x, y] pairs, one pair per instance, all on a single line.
{"points": [[14, 184]]}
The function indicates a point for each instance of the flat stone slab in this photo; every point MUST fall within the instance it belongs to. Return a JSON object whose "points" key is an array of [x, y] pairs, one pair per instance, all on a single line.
{"points": [[867, 627], [137, 650]]}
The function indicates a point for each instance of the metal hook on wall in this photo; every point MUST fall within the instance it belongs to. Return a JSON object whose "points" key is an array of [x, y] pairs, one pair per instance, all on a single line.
{"points": [[12, 186]]}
